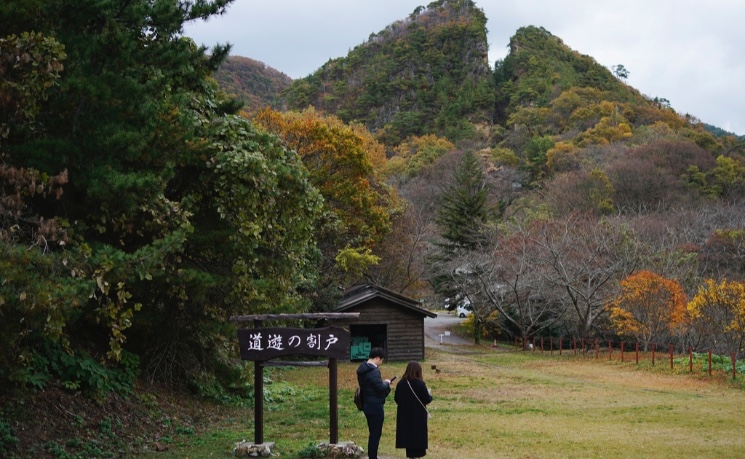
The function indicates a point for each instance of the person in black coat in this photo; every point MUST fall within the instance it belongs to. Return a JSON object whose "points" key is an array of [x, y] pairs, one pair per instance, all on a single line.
{"points": [[374, 391], [412, 396]]}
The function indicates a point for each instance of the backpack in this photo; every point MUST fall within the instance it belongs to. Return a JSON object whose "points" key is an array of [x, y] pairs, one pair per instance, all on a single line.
{"points": [[358, 399]]}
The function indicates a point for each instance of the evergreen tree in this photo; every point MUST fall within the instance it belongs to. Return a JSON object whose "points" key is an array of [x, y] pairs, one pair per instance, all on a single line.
{"points": [[463, 206], [145, 212], [461, 216]]}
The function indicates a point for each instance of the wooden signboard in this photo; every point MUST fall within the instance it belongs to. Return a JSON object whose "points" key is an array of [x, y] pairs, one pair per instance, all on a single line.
{"points": [[262, 344]]}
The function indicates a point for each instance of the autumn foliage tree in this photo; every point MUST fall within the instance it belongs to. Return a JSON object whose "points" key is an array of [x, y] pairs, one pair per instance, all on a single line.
{"points": [[414, 154], [345, 164], [718, 314], [650, 307]]}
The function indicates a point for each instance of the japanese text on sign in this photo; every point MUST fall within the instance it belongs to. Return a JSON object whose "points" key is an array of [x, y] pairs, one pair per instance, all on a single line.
{"points": [[268, 343]]}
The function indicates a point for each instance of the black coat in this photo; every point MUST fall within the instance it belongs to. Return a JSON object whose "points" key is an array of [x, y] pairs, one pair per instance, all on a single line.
{"points": [[411, 419], [373, 389]]}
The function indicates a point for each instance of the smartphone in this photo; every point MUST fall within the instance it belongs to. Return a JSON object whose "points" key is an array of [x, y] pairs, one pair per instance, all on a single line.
{"points": [[393, 379]]}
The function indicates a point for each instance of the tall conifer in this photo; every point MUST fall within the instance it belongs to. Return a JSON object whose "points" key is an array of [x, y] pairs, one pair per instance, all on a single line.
{"points": [[463, 206]]}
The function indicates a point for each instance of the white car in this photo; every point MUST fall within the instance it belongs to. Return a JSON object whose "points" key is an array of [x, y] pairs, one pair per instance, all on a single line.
{"points": [[463, 310]]}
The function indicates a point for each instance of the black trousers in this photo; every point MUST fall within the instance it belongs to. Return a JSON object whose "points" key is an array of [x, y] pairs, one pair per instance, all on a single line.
{"points": [[375, 417]]}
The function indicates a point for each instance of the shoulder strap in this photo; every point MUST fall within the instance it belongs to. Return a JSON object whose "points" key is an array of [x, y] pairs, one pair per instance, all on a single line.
{"points": [[415, 395]]}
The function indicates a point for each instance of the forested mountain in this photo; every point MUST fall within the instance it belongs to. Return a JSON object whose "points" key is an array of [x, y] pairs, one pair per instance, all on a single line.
{"points": [[719, 132], [252, 82], [426, 74]]}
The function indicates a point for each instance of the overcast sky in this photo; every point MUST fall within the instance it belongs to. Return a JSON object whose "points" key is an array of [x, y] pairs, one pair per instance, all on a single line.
{"points": [[690, 52]]}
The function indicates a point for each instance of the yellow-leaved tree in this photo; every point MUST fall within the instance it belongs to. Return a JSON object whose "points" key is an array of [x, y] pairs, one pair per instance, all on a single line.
{"points": [[345, 164], [718, 314], [650, 307]]}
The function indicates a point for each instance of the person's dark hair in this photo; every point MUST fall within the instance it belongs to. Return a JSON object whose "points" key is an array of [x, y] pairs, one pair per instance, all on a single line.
{"points": [[413, 371], [377, 352]]}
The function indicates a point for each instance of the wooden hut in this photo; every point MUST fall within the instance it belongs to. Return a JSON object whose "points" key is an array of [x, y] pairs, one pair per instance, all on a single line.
{"points": [[387, 319]]}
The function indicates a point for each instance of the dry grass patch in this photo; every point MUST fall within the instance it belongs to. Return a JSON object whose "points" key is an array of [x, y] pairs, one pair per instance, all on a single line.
{"points": [[491, 404]]}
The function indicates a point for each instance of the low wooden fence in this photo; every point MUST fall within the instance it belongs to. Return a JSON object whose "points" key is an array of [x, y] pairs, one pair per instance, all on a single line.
{"points": [[620, 351]]}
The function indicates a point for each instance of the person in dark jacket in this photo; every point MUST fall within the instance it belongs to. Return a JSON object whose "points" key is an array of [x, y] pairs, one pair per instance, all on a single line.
{"points": [[412, 396], [374, 390]]}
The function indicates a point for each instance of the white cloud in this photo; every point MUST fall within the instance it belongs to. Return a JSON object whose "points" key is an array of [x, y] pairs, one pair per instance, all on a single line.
{"points": [[687, 51]]}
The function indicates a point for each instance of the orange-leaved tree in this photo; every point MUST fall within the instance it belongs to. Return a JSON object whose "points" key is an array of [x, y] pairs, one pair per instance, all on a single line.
{"points": [[718, 313], [345, 163], [650, 307]]}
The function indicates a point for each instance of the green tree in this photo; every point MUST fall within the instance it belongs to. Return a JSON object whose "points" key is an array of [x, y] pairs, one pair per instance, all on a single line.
{"points": [[463, 206], [728, 177], [620, 71], [461, 215], [536, 158], [30, 65], [158, 214]]}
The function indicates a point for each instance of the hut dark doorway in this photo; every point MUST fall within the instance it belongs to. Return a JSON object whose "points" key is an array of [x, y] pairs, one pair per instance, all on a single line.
{"points": [[364, 337]]}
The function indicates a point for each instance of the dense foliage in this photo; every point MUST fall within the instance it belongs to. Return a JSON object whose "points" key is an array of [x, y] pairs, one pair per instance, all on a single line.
{"points": [[138, 213], [426, 74], [650, 307], [251, 82], [345, 164]]}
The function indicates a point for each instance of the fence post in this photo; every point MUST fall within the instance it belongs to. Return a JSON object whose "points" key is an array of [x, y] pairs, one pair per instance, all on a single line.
{"points": [[534, 344], [734, 365], [559, 345], [709, 362], [690, 359], [610, 350], [596, 348], [671, 356], [637, 352], [574, 345], [622, 343], [551, 345], [541, 344], [654, 348]]}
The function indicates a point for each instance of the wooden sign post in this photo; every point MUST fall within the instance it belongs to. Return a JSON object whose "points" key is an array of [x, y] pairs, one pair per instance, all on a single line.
{"points": [[260, 345]]}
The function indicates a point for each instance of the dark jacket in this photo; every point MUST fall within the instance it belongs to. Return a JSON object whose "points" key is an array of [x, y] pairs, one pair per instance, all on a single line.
{"points": [[411, 416], [374, 390]]}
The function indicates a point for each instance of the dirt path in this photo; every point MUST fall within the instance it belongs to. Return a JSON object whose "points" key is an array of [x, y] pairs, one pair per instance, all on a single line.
{"points": [[435, 331]]}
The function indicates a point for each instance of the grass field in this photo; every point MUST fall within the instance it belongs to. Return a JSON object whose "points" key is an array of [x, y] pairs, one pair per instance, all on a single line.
{"points": [[504, 404]]}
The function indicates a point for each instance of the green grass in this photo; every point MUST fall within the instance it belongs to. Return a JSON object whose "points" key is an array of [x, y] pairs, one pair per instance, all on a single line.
{"points": [[511, 405]]}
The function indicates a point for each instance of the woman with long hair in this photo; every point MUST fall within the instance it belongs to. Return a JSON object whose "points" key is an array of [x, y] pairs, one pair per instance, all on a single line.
{"points": [[412, 398]]}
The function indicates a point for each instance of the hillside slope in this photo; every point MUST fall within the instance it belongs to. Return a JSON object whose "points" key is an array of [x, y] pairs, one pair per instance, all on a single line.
{"points": [[252, 82], [563, 112], [428, 73]]}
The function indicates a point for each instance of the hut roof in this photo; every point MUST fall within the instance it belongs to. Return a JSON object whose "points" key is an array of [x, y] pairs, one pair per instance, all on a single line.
{"points": [[358, 294]]}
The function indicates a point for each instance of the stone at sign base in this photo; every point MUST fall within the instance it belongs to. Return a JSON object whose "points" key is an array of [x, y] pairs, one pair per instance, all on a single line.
{"points": [[340, 450], [250, 449]]}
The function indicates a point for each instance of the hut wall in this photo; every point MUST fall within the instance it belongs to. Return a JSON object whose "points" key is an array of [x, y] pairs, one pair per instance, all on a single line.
{"points": [[405, 329]]}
